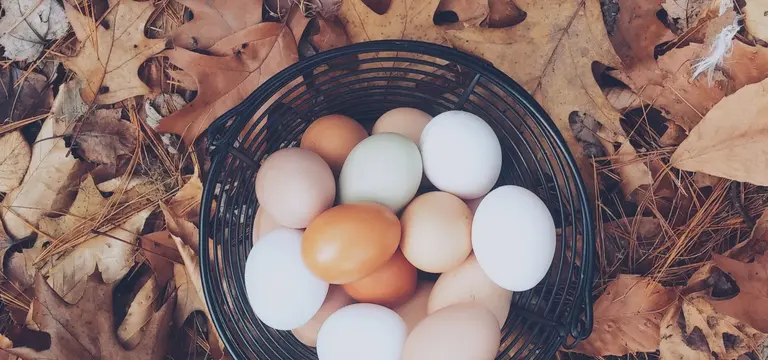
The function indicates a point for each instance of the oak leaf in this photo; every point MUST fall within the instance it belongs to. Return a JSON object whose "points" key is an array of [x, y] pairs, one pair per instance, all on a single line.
{"points": [[28, 25], [215, 20], [752, 279], [161, 254], [133, 328], [240, 64], [467, 12], [692, 329], [404, 19], [627, 317], [85, 330], [728, 146], [186, 202], [754, 18], [15, 155], [102, 137], [684, 14], [111, 51]]}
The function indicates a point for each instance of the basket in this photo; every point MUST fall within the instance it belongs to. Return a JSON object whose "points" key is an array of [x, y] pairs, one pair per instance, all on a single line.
{"points": [[363, 81]]}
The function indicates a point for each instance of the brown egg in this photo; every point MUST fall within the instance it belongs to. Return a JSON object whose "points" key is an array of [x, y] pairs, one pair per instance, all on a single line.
{"points": [[336, 299], [262, 224], [415, 309], [465, 331], [294, 185], [333, 137], [349, 242], [390, 285], [436, 232], [408, 122]]}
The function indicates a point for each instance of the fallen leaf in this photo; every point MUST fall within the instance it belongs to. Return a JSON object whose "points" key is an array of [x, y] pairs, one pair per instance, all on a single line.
{"points": [[504, 13], [23, 94], [20, 267], [102, 137], [28, 25], [186, 203], [622, 98], [674, 135], [86, 330], [15, 155], [684, 14], [82, 215], [224, 81], [109, 56], [161, 254], [327, 34], [188, 299], [730, 146], [180, 227], [627, 317], [752, 281], [754, 18], [404, 19], [693, 329], [140, 312], [551, 54], [635, 175], [215, 20], [466, 12]]}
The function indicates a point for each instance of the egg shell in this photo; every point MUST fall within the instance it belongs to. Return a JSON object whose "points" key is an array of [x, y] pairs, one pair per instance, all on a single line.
{"points": [[405, 121], [464, 331], [362, 331], [390, 285], [461, 154], [333, 137], [294, 185], [385, 169], [436, 232], [468, 283], [337, 298], [263, 223], [283, 293], [513, 237], [415, 309], [349, 242]]}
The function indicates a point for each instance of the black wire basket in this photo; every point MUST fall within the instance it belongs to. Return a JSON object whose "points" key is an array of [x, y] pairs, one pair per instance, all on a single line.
{"points": [[363, 81]]}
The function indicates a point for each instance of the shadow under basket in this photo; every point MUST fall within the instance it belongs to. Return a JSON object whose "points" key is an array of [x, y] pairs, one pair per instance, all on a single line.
{"points": [[363, 81]]}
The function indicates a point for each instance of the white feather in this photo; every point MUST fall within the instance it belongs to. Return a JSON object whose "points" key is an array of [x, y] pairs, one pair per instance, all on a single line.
{"points": [[721, 47]]}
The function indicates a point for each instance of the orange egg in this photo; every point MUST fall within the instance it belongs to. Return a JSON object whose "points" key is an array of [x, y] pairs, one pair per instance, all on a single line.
{"points": [[333, 137], [390, 285], [349, 242]]}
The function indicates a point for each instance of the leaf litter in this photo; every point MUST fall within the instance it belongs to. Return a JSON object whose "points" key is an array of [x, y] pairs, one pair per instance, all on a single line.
{"points": [[101, 187]]}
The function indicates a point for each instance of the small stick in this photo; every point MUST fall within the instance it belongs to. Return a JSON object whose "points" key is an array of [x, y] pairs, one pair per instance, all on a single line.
{"points": [[736, 198]]}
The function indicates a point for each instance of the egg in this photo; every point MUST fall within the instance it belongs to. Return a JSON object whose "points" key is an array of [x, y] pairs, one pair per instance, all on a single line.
{"points": [[436, 232], [384, 168], [465, 331], [390, 285], [337, 298], [349, 242], [263, 223], [294, 185], [461, 154], [362, 331], [468, 283], [513, 237], [405, 121], [283, 293], [333, 137], [415, 309]]}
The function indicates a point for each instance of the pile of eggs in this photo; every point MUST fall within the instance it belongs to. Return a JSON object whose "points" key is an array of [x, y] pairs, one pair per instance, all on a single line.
{"points": [[341, 236]]}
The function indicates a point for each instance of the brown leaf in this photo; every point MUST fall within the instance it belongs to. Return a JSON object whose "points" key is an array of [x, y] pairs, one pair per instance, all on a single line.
{"points": [[28, 24], [109, 58], [632, 170], [133, 327], [404, 19], [468, 12], [103, 136], [554, 65], [754, 18], [693, 329], [224, 81], [327, 34], [622, 98], [674, 135], [728, 146], [180, 227], [15, 155], [86, 330], [21, 268], [84, 211], [161, 254], [215, 20], [627, 317], [504, 13], [186, 202], [752, 280], [22, 94], [684, 14]]}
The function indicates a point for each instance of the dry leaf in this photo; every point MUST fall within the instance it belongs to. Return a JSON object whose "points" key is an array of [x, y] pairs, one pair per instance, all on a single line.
{"points": [[468, 12], [20, 267], [83, 214], [15, 155], [86, 330], [215, 20], [23, 94], [188, 301], [405, 19], [327, 34], [627, 317], [752, 280], [692, 329], [622, 98], [551, 54], [133, 327], [635, 175], [102, 137], [684, 14], [186, 203], [755, 18], [674, 135], [728, 146], [161, 254], [504, 13], [109, 58], [28, 25], [224, 81]]}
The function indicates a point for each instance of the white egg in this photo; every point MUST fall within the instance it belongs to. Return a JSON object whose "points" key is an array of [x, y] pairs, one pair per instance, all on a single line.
{"points": [[461, 154], [362, 331], [513, 237], [282, 291], [384, 168]]}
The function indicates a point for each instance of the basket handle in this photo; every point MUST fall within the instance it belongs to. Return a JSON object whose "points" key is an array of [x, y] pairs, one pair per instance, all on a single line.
{"points": [[581, 325]]}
